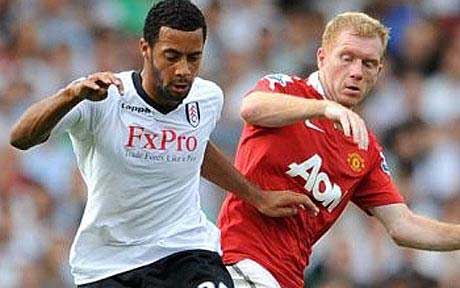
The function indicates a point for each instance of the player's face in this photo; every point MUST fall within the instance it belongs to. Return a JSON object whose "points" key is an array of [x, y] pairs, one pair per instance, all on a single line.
{"points": [[349, 69], [173, 63]]}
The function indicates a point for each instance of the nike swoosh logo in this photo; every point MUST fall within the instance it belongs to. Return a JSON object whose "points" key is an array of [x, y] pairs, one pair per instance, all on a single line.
{"points": [[313, 126]]}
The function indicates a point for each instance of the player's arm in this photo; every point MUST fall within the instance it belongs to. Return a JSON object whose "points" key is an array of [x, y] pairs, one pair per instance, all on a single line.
{"points": [[414, 231], [220, 171], [35, 125], [268, 109]]}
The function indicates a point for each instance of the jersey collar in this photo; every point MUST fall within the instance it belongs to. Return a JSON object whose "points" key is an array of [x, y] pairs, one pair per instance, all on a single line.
{"points": [[137, 80], [313, 81]]}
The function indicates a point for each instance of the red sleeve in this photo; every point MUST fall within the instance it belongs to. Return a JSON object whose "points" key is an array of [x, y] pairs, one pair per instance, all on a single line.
{"points": [[377, 188], [276, 83]]}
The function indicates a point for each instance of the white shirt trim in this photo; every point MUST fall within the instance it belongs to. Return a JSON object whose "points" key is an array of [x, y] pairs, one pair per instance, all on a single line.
{"points": [[313, 80]]}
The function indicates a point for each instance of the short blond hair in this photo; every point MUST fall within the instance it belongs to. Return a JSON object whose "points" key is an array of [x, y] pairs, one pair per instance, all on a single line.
{"points": [[362, 24]]}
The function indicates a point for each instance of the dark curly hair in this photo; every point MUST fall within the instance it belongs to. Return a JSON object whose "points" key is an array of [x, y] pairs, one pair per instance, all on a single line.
{"points": [[177, 14]]}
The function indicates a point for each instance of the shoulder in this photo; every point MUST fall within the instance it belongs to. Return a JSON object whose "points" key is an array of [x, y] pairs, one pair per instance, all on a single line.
{"points": [[206, 88], [282, 80], [207, 85], [377, 152], [374, 142], [126, 77], [286, 84]]}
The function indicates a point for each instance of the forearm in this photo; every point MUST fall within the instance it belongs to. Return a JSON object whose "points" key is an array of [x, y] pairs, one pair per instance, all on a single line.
{"points": [[35, 125], [414, 231], [220, 171], [275, 110], [427, 234]]}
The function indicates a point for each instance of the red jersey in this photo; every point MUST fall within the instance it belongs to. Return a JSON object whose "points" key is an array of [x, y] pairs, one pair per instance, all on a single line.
{"points": [[311, 157]]}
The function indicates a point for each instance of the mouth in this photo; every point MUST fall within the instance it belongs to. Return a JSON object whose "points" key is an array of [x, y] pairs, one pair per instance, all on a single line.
{"points": [[180, 88], [352, 90]]}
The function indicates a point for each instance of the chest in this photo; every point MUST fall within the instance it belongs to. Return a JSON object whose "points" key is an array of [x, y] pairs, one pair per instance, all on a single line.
{"points": [[141, 140], [317, 157]]}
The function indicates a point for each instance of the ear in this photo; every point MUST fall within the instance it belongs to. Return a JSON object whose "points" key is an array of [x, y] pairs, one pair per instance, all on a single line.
{"points": [[320, 55], [144, 47], [380, 68]]}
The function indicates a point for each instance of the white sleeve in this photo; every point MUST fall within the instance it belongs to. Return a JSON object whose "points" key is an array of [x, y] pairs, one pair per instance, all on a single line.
{"points": [[70, 119], [77, 120], [81, 121]]}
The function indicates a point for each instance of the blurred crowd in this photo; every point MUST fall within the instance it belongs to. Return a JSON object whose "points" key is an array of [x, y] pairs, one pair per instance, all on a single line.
{"points": [[415, 111]]}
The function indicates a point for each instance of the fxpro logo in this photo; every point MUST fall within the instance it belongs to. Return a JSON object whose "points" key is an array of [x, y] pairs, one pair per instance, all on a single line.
{"points": [[318, 183], [140, 137], [136, 109]]}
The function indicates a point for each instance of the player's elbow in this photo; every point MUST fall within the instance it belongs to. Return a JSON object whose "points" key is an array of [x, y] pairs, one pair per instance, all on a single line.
{"points": [[16, 140], [399, 233], [398, 239], [250, 109], [19, 140], [247, 113], [19, 143]]}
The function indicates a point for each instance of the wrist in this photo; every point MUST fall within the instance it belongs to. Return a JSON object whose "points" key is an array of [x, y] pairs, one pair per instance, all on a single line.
{"points": [[318, 108], [258, 199], [70, 95]]}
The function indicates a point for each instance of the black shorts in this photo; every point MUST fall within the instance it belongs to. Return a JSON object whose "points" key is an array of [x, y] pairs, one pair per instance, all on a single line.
{"points": [[187, 269]]}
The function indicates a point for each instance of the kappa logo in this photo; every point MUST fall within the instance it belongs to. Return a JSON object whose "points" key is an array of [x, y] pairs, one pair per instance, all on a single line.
{"points": [[192, 111], [136, 109], [309, 124]]}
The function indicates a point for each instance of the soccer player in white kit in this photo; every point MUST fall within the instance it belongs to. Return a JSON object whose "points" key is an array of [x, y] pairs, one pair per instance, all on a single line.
{"points": [[142, 140]]}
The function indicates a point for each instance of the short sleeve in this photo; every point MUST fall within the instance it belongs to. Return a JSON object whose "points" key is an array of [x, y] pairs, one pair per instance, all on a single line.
{"points": [[83, 120], [377, 188], [276, 83], [78, 121]]}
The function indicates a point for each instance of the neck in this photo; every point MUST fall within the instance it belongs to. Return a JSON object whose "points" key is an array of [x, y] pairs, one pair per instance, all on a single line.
{"points": [[327, 94], [150, 91], [149, 86]]}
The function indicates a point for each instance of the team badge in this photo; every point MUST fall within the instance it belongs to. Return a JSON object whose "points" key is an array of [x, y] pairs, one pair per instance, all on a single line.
{"points": [[192, 111], [356, 162], [281, 79]]}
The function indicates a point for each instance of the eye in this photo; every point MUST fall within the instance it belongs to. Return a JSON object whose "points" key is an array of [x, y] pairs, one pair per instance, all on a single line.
{"points": [[369, 64], [172, 57], [346, 58], [194, 58]]}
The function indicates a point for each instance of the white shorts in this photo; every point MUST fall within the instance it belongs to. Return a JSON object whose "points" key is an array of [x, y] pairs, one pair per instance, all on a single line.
{"points": [[250, 274]]}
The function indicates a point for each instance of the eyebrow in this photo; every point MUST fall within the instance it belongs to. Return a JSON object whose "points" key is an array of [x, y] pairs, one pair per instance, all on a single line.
{"points": [[364, 57], [172, 50]]}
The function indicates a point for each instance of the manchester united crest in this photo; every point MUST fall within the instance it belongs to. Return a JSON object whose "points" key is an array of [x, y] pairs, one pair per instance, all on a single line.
{"points": [[356, 162], [192, 111]]}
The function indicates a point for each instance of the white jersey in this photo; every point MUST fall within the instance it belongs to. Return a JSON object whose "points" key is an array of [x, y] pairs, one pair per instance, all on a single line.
{"points": [[142, 169]]}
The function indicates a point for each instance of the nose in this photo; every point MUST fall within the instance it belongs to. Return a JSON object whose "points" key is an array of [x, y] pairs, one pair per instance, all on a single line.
{"points": [[356, 70], [183, 68]]}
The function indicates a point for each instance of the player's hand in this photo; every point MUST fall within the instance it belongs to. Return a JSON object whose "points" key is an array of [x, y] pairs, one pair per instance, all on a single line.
{"points": [[352, 124], [285, 203], [95, 86]]}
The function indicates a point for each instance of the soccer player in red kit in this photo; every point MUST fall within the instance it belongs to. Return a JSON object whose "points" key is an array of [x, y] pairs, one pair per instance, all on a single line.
{"points": [[302, 135]]}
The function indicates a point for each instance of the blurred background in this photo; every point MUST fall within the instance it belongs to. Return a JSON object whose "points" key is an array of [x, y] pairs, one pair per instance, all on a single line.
{"points": [[415, 111]]}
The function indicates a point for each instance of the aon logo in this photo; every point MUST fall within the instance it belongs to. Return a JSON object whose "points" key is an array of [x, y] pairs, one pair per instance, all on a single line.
{"points": [[318, 183]]}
